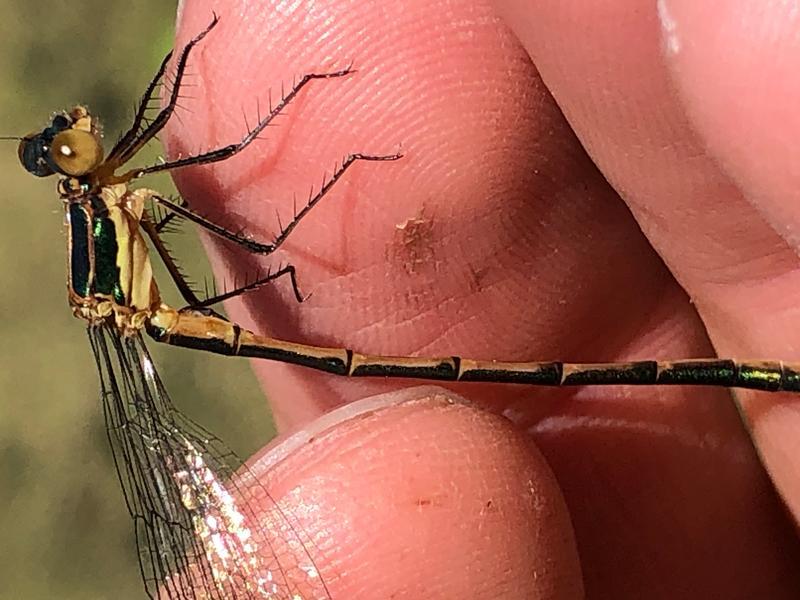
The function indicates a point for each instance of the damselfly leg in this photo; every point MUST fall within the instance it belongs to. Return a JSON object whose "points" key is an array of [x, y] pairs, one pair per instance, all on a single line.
{"points": [[135, 138], [269, 247]]}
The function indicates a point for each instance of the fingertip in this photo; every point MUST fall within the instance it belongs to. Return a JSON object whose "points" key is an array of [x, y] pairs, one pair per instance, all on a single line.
{"points": [[419, 494], [734, 65]]}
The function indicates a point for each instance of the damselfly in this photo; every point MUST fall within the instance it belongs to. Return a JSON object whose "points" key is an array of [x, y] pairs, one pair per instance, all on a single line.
{"points": [[198, 536]]}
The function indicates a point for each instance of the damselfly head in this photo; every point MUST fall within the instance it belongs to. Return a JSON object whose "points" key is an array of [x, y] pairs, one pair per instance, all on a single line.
{"points": [[70, 146]]}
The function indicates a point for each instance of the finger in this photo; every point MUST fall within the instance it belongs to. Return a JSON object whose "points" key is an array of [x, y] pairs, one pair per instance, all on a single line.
{"points": [[493, 237], [604, 68], [387, 490], [420, 495], [736, 67], [518, 251], [730, 260], [740, 89]]}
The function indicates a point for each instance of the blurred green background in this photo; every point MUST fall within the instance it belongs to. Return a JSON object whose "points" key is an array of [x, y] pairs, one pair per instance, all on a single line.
{"points": [[65, 530]]}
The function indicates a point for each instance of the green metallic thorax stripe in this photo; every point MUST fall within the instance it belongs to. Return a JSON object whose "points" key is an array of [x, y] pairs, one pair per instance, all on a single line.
{"points": [[106, 256]]}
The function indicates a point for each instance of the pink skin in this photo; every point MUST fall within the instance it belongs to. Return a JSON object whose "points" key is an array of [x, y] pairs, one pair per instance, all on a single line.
{"points": [[497, 236]]}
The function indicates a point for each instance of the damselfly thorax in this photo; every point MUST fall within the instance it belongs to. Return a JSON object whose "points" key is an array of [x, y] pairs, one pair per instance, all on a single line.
{"points": [[109, 270], [109, 273]]}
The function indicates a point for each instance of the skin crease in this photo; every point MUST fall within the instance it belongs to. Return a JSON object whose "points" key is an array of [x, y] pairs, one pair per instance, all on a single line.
{"points": [[498, 236]]}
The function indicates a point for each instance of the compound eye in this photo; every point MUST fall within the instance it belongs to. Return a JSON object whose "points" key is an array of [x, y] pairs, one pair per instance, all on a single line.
{"points": [[75, 152], [31, 153]]}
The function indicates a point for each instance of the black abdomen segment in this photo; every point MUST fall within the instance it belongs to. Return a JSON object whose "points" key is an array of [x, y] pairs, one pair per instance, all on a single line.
{"points": [[212, 334], [771, 376]]}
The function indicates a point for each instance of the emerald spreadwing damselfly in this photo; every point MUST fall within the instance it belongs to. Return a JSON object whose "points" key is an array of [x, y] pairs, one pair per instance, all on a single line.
{"points": [[172, 474]]}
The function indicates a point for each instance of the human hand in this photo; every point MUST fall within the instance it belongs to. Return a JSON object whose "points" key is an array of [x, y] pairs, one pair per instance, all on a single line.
{"points": [[496, 236]]}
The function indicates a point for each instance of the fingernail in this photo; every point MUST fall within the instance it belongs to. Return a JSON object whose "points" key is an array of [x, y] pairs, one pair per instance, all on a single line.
{"points": [[430, 395], [179, 15], [669, 27]]}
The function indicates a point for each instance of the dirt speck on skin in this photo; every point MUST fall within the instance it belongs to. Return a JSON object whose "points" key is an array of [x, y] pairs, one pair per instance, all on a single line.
{"points": [[414, 243]]}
